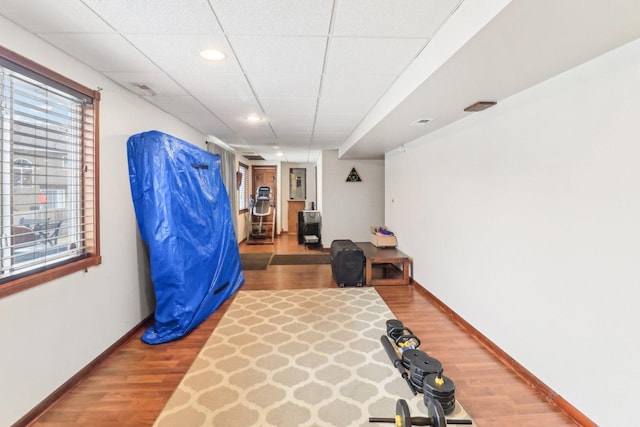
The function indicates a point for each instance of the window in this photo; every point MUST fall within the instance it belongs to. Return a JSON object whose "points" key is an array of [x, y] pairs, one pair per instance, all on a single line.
{"points": [[243, 171], [53, 198], [22, 172], [48, 179]]}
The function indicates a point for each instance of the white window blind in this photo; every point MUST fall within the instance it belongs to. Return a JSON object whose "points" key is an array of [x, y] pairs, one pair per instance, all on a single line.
{"points": [[48, 174]]}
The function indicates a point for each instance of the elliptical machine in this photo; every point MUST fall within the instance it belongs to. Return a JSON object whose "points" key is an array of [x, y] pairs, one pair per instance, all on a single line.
{"points": [[262, 230]]}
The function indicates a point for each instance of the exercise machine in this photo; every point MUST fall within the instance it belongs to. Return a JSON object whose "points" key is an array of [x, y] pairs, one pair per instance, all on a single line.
{"points": [[263, 213]]}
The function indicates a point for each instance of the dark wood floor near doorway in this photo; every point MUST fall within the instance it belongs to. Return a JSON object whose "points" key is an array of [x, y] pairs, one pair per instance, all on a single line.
{"points": [[132, 386]]}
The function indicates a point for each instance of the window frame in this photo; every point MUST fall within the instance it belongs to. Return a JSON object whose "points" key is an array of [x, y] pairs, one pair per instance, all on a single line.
{"points": [[244, 184], [21, 168], [90, 198]]}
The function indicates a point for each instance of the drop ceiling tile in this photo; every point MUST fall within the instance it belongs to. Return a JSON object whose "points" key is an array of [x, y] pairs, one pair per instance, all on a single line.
{"points": [[150, 16], [177, 104], [183, 107], [270, 55], [158, 82], [189, 110], [363, 92], [205, 123], [292, 121], [277, 106], [371, 55], [237, 119], [232, 140], [370, 86], [257, 138], [288, 138], [340, 105], [268, 17], [313, 156], [91, 48], [202, 83], [285, 85], [293, 138], [297, 138], [294, 151], [329, 140], [297, 154], [337, 123], [60, 16], [177, 53], [246, 129], [408, 18], [240, 106]]}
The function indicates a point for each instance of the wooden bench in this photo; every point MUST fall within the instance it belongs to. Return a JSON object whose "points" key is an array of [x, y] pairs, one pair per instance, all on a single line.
{"points": [[391, 256]]}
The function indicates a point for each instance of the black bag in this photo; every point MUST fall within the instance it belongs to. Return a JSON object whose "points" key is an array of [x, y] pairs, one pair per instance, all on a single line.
{"points": [[347, 263]]}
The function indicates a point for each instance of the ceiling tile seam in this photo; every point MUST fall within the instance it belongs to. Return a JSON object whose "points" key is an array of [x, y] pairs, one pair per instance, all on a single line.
{"points": [[436, 31], [244, 73], [160, 68], [99, 17], [332, 20], [399, 74], [196, 99]]}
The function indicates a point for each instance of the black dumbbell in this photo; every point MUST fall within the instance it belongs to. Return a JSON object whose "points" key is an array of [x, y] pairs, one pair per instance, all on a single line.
{"points": [[402, 336], [434, 411]]}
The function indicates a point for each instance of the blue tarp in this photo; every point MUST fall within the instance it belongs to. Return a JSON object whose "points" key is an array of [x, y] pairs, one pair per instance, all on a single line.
{"points": [[184, 216]]}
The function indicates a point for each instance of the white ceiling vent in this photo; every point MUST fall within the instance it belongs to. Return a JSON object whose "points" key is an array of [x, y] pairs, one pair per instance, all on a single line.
{"points": [[144, 89], [480, 105], [420, 122], [252, 156]]}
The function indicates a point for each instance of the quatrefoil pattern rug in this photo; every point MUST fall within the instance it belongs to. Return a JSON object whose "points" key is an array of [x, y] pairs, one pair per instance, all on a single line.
{"points": [[294, 358]]}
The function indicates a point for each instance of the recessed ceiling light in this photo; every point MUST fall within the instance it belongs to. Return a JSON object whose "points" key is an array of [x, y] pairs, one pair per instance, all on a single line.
{"points": [[480, 105], [212, 54], [254, 118], [279, 154], [420, 122]]}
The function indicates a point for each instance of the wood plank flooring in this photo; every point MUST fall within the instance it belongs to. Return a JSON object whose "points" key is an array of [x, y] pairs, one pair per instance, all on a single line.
{"points": [[132, 386]]}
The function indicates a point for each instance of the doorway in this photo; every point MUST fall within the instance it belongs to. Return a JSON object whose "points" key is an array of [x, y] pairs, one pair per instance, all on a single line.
{"points": [[266, 175]]}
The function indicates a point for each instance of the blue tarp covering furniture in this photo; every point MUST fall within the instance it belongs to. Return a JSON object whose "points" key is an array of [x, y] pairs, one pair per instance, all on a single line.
{"points": [[184, 216]]}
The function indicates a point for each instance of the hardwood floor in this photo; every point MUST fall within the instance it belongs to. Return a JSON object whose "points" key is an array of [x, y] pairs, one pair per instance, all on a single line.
{"points": [[131, 387]]}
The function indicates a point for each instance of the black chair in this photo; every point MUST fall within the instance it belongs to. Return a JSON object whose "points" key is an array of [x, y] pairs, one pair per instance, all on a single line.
{"points": [[52, 239]]}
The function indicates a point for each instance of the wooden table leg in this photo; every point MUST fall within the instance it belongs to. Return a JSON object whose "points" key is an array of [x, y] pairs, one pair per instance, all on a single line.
{"points": [[368, 273], [405, 271]]}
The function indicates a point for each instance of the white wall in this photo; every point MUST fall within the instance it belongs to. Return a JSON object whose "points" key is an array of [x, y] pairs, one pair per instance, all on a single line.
{"points": [[50, 332], [319, 187], [524, 219], [348, 209]]}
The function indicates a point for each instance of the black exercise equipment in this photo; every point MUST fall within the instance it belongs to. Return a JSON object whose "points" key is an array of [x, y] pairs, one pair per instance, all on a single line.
{"points": [[424, 372], [420, 365], [402, 336], [435, 416], [439, 388], [396, 362]]}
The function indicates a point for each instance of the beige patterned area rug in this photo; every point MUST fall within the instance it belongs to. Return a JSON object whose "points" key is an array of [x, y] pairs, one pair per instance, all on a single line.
{"points": [[284, 358]]}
